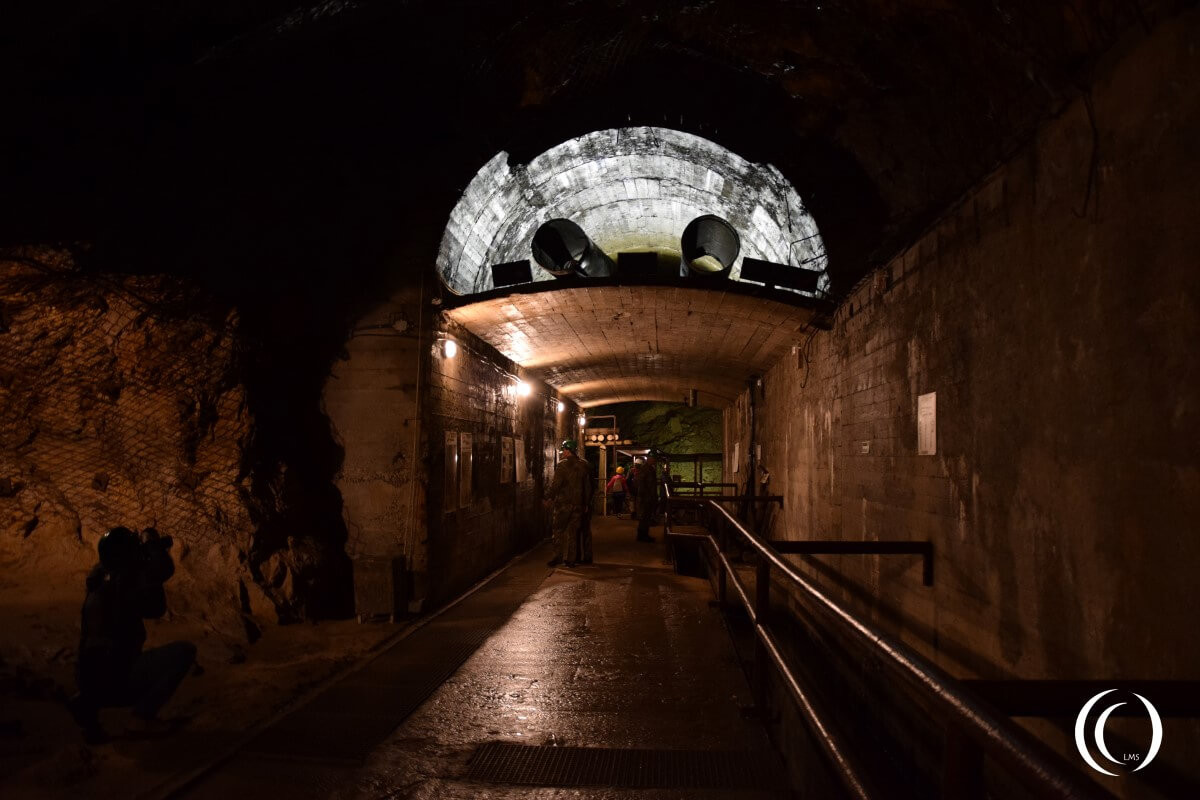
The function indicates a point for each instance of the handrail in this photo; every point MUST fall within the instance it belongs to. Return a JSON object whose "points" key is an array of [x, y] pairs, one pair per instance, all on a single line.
{"points": [[834, 547], [837, 751], [1028, 759], [758, 498]]}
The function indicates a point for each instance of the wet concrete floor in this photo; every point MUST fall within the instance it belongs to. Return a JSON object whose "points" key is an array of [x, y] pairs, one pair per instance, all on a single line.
{"points": [[620, 656]]}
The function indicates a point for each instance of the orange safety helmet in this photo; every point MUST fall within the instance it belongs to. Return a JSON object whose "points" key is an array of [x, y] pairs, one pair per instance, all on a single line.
{"points": [[620, 470]]}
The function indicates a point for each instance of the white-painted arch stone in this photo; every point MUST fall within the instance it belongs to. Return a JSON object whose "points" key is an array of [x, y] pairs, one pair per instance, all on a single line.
{"points": [[629, 189]]}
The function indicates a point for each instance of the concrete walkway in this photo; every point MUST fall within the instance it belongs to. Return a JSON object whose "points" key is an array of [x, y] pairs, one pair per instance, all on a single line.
{"points": [[612, 680]]}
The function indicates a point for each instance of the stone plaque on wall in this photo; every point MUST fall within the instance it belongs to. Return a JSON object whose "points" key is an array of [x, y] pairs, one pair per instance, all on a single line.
{"points": [[506, 459], [466, 466], [927, 424], [519, 459], [450, 479]]}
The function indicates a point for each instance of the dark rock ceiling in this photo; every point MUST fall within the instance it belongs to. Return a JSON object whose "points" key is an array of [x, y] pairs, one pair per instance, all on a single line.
{"points": [[318, 146]]}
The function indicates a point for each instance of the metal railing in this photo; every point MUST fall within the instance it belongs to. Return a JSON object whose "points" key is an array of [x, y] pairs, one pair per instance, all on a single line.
{"points": [[699, 489], [972, 729], [839, 547]]}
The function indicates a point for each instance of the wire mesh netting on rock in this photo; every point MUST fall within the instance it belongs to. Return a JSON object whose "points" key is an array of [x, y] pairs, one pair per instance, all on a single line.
{"points": [[121, 404]]}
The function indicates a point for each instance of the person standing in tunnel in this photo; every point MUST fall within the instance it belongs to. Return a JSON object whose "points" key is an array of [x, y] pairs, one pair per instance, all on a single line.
{"points": [[569, 499], [631, 486], [665, 480], [646, 492], [616, 488], [125, 588]]}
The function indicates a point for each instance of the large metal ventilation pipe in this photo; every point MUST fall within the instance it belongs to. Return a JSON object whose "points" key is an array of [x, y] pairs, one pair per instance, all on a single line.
{"points": [[709, 246], [562, 249]]}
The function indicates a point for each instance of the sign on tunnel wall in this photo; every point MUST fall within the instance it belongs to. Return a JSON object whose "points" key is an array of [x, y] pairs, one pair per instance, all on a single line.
{"points": [[450, 478], [466, 468], [519, 448], [927, 424], [506, 459]]}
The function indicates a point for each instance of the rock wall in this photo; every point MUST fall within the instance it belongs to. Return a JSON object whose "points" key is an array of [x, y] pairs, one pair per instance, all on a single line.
{"points": [[671, 427], [123, 402]]}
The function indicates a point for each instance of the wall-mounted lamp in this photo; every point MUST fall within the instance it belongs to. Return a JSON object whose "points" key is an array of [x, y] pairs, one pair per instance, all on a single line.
{"points": [[523, 388], [582, 420], [561, 406], [449, 348]]}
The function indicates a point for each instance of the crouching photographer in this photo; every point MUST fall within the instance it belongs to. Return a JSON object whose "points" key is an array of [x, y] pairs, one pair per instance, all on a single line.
{"points": [[113, 671]]}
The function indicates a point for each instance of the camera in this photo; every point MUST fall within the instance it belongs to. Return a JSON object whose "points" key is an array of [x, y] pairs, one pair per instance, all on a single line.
{"points": [[155, 555]]}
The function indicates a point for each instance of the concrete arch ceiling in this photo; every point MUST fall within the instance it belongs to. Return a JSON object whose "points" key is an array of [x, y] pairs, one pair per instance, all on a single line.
{"points": [[882, 113], [613, 344], [629, 189]]}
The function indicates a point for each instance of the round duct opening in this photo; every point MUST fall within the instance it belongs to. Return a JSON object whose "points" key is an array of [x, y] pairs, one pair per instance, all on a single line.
{"points": [[562, 248], [709, 246]]}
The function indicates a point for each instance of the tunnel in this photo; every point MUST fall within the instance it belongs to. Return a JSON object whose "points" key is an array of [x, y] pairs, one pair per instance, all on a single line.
{"points": [[702, 400]]}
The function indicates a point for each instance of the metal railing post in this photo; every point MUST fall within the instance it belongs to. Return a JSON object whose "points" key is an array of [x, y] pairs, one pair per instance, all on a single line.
{"points": [[762, 608], [974, 730], [722, 578], [667, 510]]}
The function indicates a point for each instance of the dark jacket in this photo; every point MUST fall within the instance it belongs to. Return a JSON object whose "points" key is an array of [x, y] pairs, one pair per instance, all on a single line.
{"points": [[112, 629], [646, 483], [571, 486]]}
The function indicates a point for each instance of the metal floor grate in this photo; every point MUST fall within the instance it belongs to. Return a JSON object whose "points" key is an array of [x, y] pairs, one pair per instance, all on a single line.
{"points": [[502, 762]]}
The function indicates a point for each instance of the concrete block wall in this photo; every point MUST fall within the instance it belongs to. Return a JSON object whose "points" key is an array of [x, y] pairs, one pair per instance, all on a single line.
{"points": [[1055, 312], [392, 400], [1057, 326], [474, 533]]}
